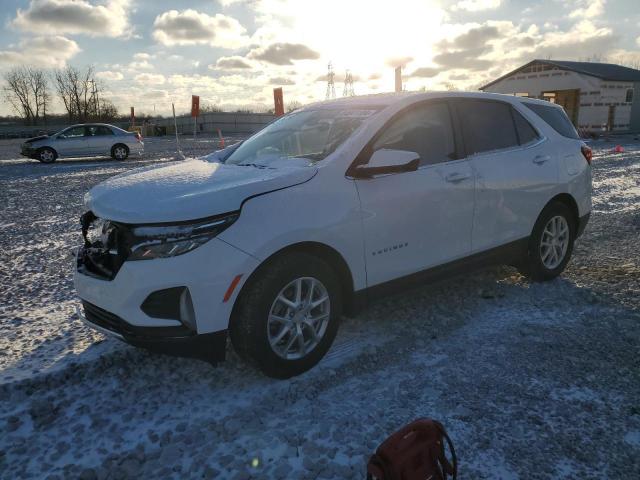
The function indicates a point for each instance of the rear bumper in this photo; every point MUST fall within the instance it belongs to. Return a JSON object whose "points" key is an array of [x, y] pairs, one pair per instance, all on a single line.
{"points": [[582, 224], [179, 341]]}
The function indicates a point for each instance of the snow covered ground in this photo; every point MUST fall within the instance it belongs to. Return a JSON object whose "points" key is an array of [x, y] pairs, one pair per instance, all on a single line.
{"points": [[533, 381]]}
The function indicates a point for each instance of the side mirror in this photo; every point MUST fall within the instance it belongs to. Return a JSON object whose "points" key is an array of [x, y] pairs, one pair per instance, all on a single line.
{"points": [[385, 161]]}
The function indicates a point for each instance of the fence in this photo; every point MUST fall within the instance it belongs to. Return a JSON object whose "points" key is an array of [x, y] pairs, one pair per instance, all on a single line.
{"points": [[227, 122]]}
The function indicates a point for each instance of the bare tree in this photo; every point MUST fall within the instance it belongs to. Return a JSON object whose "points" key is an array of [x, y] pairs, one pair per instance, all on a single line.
{"points": [[79, 92], [27, 91], [107, 111], [293, 105], [207, 107]]}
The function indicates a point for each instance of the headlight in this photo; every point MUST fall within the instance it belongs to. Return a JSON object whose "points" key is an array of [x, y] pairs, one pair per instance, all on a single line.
{"points": [[161, 241]]}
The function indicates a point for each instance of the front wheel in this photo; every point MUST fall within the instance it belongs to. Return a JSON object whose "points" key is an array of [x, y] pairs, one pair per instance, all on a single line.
{"points": [[551, 243], [46, 155], [288, 315], [120, 152]]}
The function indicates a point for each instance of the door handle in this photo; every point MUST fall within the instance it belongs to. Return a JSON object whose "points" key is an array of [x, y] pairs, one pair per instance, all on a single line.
{"points": [[456, 177], [540, 159]]}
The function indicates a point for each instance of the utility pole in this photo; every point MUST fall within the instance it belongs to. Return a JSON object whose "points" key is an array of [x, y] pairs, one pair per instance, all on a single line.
{"points": [[331, 88]]}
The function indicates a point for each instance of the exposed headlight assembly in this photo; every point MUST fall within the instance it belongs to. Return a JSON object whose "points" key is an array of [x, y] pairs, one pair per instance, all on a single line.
{"points": [[169, 240]]}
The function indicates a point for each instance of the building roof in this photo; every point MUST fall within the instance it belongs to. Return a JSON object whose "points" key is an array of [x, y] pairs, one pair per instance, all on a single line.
{"points": [[605, 71]]}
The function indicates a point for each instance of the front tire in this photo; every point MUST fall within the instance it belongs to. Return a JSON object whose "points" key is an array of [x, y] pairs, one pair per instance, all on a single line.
{"points": [[287, 316], [551, 243], [46, 155], [120, 151]]}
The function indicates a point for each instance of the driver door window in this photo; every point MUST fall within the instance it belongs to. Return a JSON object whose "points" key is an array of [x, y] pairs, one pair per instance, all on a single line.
{"points": [[74, 132], [426, 130]]}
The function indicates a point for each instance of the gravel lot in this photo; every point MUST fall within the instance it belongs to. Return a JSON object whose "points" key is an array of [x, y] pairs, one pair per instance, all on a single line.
{"points": [[533, 381]]}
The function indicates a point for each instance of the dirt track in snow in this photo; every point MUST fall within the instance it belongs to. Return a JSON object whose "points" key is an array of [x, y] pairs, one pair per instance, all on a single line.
{"points": [[532, 380]]}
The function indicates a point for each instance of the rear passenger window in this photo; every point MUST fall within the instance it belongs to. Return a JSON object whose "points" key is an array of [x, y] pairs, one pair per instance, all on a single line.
{"points": [[487, 125], [426, 130], [98, 130], [526, 133], [556, 117]]}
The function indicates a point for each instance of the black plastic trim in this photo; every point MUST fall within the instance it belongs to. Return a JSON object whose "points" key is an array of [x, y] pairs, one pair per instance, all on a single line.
{"points": [[509, 254], [582, 224], [178, 341]]}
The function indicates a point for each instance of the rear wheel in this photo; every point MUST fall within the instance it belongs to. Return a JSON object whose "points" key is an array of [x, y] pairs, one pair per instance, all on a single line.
{"points": [[551, 243], [120, 151], [46, 155], [288, 315]]}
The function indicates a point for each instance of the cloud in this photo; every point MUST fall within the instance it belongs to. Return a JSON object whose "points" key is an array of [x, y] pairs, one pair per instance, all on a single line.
{"points": [[281, 81], [476, 5], [588, 9], [142, 56], [395, 62], [41, 51], [465, 49], [473, 38], [140, 65], [582, 39], [425, 72], [109, 19], [109, 75], [230, 63], [149, 79], [283, 53], [190, 27]]}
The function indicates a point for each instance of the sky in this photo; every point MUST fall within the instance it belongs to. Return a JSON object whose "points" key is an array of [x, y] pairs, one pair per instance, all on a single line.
{"points": [[150, 53]]}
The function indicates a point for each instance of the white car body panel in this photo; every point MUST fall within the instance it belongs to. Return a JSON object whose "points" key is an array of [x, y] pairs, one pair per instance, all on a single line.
{"points": [[187, 190], [405, 230], [419, 218], [136, 280]]}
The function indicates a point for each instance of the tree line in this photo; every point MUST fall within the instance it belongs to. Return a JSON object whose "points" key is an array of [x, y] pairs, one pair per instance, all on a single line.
{"points": [[30, 90]]}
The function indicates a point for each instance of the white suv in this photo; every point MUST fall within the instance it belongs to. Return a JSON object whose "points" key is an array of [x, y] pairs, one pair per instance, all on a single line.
{"points": [[273, 239]]}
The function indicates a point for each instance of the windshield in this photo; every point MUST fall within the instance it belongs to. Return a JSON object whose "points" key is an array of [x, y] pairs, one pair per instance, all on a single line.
{"points": [[309, 134]]}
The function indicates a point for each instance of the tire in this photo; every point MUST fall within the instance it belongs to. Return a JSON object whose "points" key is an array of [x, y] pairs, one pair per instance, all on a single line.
{"points": [[120, 151], [545, 261], [253, 329], [46, 155]]}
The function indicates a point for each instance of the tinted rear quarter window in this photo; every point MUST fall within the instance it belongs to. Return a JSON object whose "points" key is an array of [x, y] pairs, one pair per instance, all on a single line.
{"points": [[555, 117], [487, 125], [526, 133]]}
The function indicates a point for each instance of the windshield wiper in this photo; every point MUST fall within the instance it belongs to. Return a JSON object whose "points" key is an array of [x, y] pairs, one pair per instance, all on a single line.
{"points": [[256, 165]]}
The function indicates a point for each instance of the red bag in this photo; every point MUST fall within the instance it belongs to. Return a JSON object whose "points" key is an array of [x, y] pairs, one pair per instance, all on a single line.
{"points": [[415, 452]]}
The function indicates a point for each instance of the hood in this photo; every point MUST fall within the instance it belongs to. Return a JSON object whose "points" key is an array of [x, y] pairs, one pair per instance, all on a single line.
{"points": [[187, 190], [35, 139]]}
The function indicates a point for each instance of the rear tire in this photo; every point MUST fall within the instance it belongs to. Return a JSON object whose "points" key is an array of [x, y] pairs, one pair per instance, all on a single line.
{"points": [[46, 155], [279, 335], [120, 151], [550, 244]]}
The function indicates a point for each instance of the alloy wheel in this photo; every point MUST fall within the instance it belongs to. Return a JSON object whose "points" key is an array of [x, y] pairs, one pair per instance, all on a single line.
{"points": [[46, 156], [120, 153], [298, 318], [554, 242]]}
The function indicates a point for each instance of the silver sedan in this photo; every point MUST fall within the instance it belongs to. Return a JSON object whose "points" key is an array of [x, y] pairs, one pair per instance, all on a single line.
{"points": [[86, 140]]}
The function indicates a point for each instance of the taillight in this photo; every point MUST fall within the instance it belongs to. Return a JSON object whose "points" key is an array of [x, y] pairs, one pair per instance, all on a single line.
{"points": [[138, 136], [586, 153]]}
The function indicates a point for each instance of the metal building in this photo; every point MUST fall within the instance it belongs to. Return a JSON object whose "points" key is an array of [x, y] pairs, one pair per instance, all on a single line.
{"points": [[598, 97]]}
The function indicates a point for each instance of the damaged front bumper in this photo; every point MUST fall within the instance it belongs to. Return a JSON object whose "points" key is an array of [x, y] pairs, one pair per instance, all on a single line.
{"points": [[179, 341], [27, 151]]}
